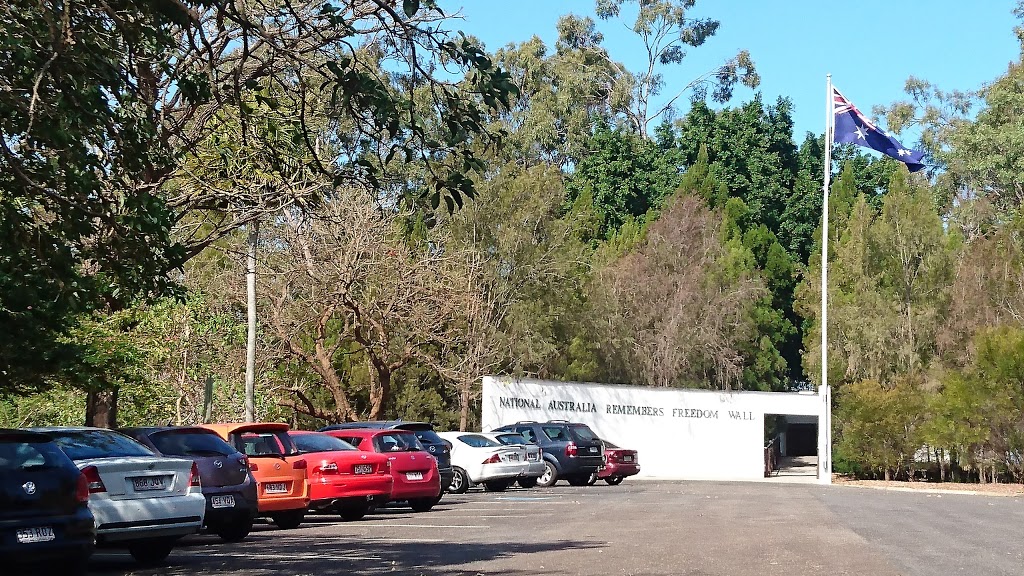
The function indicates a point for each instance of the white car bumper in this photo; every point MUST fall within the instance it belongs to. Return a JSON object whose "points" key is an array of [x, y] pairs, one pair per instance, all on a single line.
{"points": [[535, 468], [488, 472], [118, 520]]}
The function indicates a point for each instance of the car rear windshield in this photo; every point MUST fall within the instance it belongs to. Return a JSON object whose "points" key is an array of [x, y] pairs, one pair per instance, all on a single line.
{"points": [[512, 439], [190, 443], [29, 454], [478, 441], [397, 442], [608, 444], [428, 437], [307, 443], [583, 433], [264, 444], [87, 444]]}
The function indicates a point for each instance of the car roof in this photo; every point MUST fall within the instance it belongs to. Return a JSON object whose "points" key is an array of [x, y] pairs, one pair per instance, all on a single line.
{"points": [[237, 427], [47, 429], [24, 435], [147, 430], [367, 432], [379, 425]]}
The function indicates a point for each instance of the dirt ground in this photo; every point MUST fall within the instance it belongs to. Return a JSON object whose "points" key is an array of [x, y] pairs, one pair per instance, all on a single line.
{"points": [[987, 489]]}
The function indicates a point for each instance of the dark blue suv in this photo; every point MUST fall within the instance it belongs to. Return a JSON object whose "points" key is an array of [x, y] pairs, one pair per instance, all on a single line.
{"points": [[571, 451], [424, 431]]}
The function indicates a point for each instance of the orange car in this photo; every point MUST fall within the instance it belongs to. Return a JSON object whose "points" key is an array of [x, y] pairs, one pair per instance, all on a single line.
{"points": [[282, 488]]}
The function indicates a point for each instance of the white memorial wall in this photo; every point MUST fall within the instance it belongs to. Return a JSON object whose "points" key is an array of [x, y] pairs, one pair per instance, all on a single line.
{"points": [[679, 434]]}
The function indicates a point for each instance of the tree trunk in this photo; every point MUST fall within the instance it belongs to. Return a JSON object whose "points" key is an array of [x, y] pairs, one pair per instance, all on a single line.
{"points": [[380, 396], [464, 407], [101, 409], [888, 475], [250, 345], [208, 400]]}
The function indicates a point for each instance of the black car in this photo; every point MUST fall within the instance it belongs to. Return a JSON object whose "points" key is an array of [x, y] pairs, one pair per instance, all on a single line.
{"points": [[571, 451], [44, 506], [424, 431], [229, 488]]}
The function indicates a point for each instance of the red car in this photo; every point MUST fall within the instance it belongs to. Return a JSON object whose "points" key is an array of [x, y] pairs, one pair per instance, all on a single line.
{"points": [[342, 477], [618, 463], [414, 470]]}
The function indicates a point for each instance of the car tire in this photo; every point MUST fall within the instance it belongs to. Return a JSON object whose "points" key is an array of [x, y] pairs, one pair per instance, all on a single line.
{"points": [[549, 477], [592, 479], [614, 480], [151, 552], [460, 481], [496, 485], [527, 482], [353, 513], [234, 532], [288, 520], [578, 480], [422, 504]]}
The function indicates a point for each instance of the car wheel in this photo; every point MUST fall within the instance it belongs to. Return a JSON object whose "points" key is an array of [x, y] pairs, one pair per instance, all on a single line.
{"points": [[549, 477], [151, 551], [496, 485], [460, 482], [288, 520], [353, 513], [422, 504], [614, 480], [578, 480], [528, 482], [592, 479], [234, 532]]}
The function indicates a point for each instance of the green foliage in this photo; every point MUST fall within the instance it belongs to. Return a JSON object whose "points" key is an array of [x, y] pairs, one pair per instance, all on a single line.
{"points": [[880, 426]]}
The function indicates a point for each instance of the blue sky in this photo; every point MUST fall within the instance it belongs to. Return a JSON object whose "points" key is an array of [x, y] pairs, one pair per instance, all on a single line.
{"points": [[870, 46]]}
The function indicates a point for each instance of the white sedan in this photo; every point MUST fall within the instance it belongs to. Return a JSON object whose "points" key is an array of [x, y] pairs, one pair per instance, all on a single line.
{"points": [[477, 459], [140, 501], [534, 455]]}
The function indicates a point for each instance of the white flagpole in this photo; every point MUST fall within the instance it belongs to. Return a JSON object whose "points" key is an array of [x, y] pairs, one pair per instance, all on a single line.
{"points": [[825, 392]]}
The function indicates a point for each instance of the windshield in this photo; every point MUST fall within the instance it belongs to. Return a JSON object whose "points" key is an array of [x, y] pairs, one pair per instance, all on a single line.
{"points": [[190, 443], [264, 444], [30, 455], [428, 437], [478, 441], [608, 444], [511, 439], [88, 444], [307, 443], [583, 433], [397, 442]]}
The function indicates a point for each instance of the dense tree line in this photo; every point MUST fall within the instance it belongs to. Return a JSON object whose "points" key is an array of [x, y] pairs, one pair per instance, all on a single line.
{"points": [[423, 212]]}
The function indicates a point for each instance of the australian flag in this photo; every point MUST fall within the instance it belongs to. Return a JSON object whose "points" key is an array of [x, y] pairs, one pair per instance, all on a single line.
{"points": [[852, 126]]}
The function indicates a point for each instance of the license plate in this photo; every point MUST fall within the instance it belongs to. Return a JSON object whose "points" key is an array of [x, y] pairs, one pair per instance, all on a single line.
{"points": [[531, 456], [627, 458], [414, 475], [222, 501], [363, 469], [33, 535], [513, 457], [275, 488], [593, 450], [145, 483]]}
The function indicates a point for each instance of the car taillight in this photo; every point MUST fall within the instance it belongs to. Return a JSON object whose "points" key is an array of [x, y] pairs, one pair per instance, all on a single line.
{"points": [[570, 449], [299, 465], [93, 480], [82, 489], [494, 459], [328, 467], [244, 463], [193, 479], [253, 467], [385, 468]]}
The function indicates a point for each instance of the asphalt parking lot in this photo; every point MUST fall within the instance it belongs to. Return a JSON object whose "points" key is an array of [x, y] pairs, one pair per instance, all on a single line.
{"points": [[671, 528]]}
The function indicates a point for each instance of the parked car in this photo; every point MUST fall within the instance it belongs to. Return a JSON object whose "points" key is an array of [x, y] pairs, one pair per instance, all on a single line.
{"points": [[343, 478], [45, 522], [282, 489], [413, 469], [618, 463], [479, 459], [229, 488], [572, 451], [438, 448], [139, 500], [534, 456]]}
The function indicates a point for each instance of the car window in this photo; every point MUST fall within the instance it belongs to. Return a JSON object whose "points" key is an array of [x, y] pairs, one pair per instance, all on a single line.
{"points": [[16, 454], [478, 441], [353, 440], [528, 434], [608, 444], [320, 443], [511, 439], [86, 444], [428, 437], [262, 444], [190, 443], [583, 433], [397, 442], [555, 433]]}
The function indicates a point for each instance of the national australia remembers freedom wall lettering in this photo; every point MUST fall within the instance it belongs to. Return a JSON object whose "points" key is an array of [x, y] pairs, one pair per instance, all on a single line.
{"points": [[680, 434]]}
